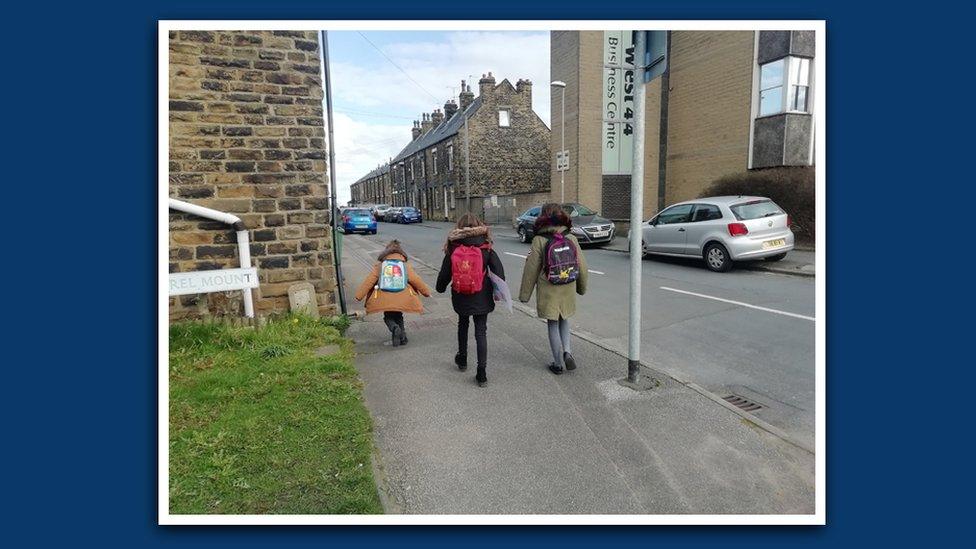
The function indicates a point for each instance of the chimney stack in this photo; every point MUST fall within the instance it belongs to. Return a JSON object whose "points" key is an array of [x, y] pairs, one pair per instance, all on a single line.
{"points": [[486, 86], [449, 109], [465, 97], [524, 89], [436, 118], [415, 132], [425, 124]]}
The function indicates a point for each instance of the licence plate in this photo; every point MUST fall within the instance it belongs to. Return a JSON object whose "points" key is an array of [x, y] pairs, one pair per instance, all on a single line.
{"points": [[600, 234], [774, 243], [361, 226]]}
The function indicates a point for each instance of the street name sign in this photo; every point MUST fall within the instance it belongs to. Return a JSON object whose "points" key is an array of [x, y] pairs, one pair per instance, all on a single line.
{"points": [[204, 282]]}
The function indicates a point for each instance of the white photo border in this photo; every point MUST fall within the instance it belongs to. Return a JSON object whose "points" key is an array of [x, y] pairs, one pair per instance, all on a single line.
{"points": [[164, 516]]}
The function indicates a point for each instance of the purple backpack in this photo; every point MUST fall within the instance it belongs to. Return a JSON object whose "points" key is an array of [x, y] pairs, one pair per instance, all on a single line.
{"points": [[562, 264]]}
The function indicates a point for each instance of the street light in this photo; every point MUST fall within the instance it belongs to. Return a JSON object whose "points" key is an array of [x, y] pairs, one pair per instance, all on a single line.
{"points": [[562, 147]]}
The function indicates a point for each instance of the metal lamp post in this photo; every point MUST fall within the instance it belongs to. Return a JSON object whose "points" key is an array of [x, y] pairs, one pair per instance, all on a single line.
{"points": [[562, 146]]}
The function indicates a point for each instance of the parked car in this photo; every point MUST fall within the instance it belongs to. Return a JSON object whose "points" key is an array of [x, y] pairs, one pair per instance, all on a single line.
{"points": [[588, 226], [391, 214], [379, 211], [408, 214], [358, 220], [721, 230]]}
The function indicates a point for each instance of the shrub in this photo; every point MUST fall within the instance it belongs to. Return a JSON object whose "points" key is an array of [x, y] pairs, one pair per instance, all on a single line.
{"points": [[792, 188]]}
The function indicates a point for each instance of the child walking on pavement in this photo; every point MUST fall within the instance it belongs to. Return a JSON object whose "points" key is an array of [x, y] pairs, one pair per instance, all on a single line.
{"points": [[467, 259], [557, 267], [392, 287]]}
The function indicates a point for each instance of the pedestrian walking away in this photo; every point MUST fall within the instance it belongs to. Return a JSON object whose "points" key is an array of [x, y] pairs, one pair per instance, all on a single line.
{"points": [[391, 287], [556, 269], [468, 259]]}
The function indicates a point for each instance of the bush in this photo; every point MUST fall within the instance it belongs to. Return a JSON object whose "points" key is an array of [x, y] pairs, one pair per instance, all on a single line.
{"points": [[792, 188]]}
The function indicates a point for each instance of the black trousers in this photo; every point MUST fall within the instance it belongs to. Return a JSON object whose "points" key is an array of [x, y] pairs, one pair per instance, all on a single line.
{"points": [[480, 336], [395, 316]]}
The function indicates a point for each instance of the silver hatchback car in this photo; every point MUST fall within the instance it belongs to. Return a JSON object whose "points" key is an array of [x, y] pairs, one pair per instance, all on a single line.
{"points": [[720, 230]]}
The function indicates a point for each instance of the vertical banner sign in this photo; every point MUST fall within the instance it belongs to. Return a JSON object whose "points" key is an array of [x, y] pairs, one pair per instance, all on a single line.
{"points": [[618, 102]]}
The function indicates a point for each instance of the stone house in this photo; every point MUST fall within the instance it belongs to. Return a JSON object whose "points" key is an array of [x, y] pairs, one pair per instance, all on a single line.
{"points": [[508, 155], [373, 188], [246, 136], [728, 101]]}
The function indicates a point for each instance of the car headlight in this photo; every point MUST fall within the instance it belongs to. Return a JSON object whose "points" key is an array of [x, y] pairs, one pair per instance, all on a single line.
{"points": [[576, 230]]}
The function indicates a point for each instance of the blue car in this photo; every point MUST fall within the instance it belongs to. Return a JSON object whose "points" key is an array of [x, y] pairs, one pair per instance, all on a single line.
{"points": [[409, 215], [358, 220]]}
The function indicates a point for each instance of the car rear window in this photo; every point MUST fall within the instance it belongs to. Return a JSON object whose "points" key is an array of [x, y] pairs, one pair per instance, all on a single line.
{"points": [[357, 212], [754, 209]]}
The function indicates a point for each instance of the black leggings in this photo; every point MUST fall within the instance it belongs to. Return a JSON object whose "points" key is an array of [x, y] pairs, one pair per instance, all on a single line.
{"points": [[480, 337]]}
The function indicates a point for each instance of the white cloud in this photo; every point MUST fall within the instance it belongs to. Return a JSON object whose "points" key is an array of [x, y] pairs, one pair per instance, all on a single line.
{"points": [[438, 66], [360, 147]]}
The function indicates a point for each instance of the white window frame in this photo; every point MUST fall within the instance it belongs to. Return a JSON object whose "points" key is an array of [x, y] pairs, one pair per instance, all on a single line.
{"points": [[450, 158], [791, 78], [433, 160], [508, 117]]}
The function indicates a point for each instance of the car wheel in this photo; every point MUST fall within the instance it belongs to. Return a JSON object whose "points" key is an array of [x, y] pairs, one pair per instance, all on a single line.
{"points": [[717, 258], [644, 252], [776, 257], [523, 236]]}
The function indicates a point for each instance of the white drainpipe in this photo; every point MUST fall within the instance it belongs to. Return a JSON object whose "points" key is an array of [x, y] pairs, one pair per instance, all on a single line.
{"points": [[243, 246]]}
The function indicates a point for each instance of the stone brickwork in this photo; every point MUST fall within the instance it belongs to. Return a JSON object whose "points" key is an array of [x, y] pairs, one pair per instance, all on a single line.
{"points": [[504, 161], [246, 136], [709, 107]]}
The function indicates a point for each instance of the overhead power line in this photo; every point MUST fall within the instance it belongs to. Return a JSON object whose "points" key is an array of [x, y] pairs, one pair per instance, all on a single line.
{"points": [[392, 62]]}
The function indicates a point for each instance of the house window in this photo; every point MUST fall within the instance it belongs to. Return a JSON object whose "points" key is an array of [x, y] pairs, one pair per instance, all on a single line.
{"points": [[504, 118], [411, 170], [784, 86], [453, 203], [433, 160], [450, 158]]}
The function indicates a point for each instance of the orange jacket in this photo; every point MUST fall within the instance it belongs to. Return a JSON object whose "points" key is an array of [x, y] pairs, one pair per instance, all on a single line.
{"points": [[405, 301]]}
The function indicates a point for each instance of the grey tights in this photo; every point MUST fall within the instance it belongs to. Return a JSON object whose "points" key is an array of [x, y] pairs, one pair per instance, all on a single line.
{"points": [[559, 338]]}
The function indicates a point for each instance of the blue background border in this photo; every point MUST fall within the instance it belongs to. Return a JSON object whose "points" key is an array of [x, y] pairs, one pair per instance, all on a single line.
{"points": [[79, 89]]}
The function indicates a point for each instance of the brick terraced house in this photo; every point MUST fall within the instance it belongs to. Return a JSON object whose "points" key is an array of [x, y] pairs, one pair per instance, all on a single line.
{"points": [[728, 101], [246, 137], [508, 163]]}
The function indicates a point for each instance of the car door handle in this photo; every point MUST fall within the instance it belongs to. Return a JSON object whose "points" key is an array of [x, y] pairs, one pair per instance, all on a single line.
{"points": [[681, 230]]}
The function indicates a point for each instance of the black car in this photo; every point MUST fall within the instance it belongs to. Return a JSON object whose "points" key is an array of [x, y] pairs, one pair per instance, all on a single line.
{"points": [[588, 226]]}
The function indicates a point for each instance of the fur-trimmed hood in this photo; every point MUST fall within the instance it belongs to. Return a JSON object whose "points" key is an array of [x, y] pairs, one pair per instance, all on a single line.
{"points": [[468, 232]]}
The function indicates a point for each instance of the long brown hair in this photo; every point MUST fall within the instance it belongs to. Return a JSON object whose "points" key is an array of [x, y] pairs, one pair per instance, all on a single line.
{"points": [[466, 221], [393, 247], [552, 214]]}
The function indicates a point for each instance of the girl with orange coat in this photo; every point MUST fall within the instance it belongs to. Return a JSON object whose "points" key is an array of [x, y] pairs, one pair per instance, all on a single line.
{"points": [[393, 303]]}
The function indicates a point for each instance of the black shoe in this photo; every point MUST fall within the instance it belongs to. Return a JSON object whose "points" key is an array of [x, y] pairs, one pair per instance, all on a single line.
{"points": [[558, 370], [569, 361], [461, 361], [481, 377], [397, 335]]}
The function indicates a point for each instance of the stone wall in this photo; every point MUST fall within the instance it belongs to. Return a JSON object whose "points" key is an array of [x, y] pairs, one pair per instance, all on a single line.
{"points": [[512, 160], [709, 106], [246, 136]]}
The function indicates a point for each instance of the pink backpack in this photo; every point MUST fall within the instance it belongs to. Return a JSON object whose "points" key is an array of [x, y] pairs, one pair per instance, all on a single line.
{"points": [[467, 269]]}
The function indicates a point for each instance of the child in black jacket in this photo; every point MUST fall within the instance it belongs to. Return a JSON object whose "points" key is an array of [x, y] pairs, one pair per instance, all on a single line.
{"points": [[471, 231]]}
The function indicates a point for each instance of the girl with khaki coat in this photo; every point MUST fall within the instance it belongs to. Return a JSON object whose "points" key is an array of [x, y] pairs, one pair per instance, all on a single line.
{"points": [[554, 302], [393, 304]]}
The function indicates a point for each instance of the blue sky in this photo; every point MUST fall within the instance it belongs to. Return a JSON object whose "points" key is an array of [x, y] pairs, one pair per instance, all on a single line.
{"points": [[375, 103]]}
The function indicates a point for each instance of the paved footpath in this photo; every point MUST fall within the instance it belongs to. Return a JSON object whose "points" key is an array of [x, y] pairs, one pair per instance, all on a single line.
{"points": [[532, 442]]}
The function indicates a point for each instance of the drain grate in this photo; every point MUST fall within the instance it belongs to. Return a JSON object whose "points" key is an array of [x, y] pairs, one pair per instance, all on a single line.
{"points": [[742, 403]]}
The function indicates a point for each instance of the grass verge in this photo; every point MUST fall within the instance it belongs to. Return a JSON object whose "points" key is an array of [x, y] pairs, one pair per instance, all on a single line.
{"points": [[260, 424]]}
